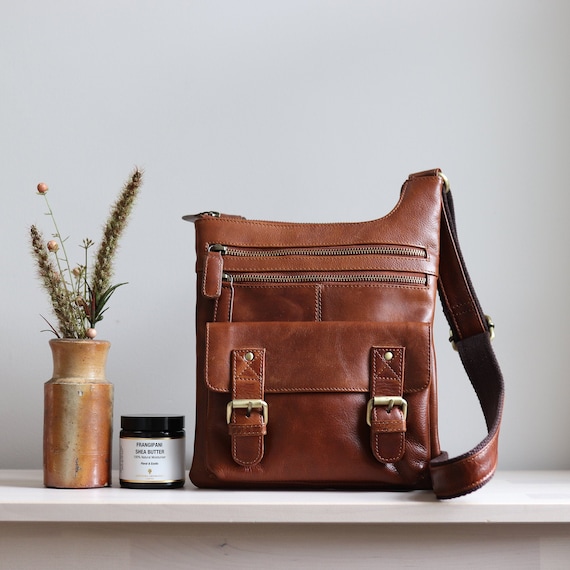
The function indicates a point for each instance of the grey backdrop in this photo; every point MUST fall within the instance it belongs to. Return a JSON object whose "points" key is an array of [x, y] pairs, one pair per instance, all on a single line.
{"points": [[299, 110]]}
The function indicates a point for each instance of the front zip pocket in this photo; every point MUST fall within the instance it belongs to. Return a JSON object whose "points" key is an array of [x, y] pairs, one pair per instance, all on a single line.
{"points": [[333, 264], [325, 278]]}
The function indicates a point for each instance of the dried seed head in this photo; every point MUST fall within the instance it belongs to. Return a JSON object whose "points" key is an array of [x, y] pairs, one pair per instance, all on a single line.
{"points": [[42, 188], [52, 246]]}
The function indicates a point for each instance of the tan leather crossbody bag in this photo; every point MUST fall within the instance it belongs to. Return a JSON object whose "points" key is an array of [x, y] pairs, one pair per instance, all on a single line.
{"points": [[315, 352]]}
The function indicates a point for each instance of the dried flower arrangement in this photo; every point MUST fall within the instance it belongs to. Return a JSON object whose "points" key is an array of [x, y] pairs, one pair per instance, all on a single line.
{"points": [[79, 295]]}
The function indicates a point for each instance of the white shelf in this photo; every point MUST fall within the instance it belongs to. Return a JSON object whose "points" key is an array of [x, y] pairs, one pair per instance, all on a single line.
{"points": [[511, 497], [57, 529]]}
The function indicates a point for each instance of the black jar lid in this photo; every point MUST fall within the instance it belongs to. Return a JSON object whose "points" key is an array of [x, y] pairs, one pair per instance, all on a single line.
{"points": [[152, 422]]}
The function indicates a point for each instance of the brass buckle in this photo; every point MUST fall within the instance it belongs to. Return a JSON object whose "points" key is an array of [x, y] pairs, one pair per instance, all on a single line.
{"points": [[249, 405], [389, 402], [490, 325]]}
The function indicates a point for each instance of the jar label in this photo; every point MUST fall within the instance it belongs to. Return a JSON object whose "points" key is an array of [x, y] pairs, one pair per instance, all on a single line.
{"points": [[146, 460]]}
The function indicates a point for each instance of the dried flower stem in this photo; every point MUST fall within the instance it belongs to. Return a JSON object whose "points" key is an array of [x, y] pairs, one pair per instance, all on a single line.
{"points": [[61, 241], [51, 279], [79, 298], [116, 224]]}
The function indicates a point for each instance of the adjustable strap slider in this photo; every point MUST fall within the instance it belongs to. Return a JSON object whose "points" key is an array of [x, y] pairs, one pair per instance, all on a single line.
{"points": [[490, 327]]}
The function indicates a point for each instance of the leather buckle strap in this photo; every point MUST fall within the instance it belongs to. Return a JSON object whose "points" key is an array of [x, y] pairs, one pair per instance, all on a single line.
{"points": [[247, 412], [387, 410]]}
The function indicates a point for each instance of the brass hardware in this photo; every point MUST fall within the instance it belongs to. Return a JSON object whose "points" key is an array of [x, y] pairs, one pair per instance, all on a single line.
{"points": [[452, 340], [446, 186], [194, 217], [218, 247], [248, 405], [490, 325], [388, 356], [389, 402], [249, 356]]}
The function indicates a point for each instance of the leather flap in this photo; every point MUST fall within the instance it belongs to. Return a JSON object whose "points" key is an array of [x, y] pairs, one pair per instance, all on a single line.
{"points": [[329, 356]]}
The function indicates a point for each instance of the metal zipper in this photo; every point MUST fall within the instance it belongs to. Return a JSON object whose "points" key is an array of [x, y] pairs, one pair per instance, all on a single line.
{"points": [[210, 214], [194, 217], [324, 278], [405, 251], [213, 275]]}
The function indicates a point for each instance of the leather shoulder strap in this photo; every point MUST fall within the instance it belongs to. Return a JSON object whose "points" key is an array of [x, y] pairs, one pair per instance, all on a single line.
{"points": [[471, 334]]}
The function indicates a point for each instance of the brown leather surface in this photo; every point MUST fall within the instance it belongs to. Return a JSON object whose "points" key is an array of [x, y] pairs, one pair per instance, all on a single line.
{"points": [[329, 323]]}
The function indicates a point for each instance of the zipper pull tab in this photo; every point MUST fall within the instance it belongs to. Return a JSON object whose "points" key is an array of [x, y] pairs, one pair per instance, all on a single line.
{"points": [[206, 215], [213, 271], [194, 217]]}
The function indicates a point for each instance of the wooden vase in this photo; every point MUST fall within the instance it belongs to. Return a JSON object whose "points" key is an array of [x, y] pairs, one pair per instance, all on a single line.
{"points": [[78, 416]]}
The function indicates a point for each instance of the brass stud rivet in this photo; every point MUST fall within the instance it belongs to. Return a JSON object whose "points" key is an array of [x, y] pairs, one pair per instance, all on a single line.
{"points": [[249, 356], [388, 355]]}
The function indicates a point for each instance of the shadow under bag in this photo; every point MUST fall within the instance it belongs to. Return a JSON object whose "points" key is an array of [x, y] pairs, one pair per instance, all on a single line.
{"points": [[315, 354]]}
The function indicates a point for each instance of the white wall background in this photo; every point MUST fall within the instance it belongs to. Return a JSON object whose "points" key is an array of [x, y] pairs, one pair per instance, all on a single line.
{"points": [[306, 110]]}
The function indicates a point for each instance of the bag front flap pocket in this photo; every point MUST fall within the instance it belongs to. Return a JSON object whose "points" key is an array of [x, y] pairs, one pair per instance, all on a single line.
{"points": [[317, 356]]}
